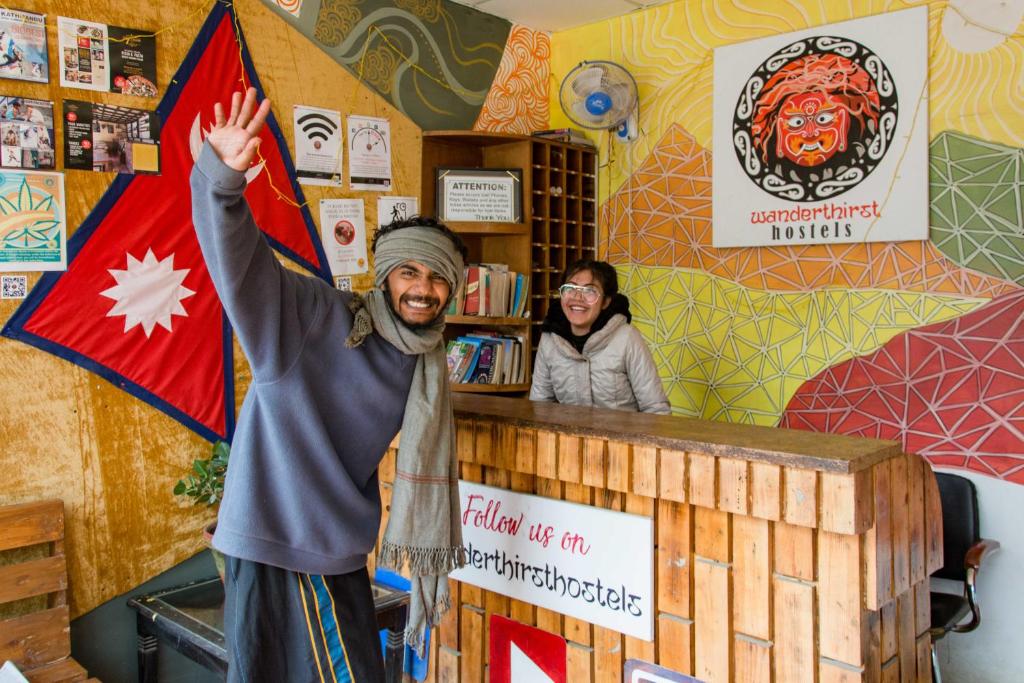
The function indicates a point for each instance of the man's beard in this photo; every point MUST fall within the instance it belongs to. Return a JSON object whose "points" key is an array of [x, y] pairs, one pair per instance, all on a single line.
{"points": [[433, 301]]}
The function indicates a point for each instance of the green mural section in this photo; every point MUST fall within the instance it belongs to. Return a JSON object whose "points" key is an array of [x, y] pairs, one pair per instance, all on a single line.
{"points": [[731, 353], [977, 204], [433, 60]]}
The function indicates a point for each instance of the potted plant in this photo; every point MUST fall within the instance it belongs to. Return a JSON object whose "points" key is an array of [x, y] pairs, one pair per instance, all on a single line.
{"points": [[204, 485]]}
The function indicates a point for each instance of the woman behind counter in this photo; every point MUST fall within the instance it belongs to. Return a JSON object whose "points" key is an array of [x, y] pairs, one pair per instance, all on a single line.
{"points": [[589, 354]]}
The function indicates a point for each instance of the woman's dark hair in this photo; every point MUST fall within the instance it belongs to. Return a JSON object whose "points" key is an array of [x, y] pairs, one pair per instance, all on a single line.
{"points": [[424, 222], [602, 271]]}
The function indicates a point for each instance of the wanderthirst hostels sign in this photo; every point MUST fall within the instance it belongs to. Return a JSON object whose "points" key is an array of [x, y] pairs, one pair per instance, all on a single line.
{"points": [[589, 563], [821, 136]]}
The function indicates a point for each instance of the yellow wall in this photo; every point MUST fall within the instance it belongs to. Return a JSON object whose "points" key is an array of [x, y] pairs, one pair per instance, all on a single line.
{"points": [[69, 434]]}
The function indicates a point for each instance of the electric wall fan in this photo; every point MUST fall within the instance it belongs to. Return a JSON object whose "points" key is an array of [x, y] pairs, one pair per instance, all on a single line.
{"points": [[601, 95]]}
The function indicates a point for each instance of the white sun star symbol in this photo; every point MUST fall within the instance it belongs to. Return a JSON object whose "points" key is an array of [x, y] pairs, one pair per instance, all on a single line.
{"points": [[148, 292]]}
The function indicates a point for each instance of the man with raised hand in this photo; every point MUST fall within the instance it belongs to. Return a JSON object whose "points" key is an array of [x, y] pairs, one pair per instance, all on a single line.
{"points": [[335, 376]]}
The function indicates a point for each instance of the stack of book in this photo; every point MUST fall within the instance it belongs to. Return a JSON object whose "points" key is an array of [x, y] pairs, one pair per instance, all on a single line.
{"points": [[574, 136], [485, 357], [491, 289]]}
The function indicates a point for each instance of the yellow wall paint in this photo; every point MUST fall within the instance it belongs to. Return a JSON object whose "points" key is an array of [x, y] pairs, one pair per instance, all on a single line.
{"points": [[669, 50], [69, 434]]}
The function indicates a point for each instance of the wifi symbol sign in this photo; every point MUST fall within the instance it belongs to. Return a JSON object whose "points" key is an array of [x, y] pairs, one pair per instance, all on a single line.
{"points": [[317, 126]]}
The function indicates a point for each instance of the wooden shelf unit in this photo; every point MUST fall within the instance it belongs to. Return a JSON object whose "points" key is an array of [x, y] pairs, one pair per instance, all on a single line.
{"points": [[560, 222]]}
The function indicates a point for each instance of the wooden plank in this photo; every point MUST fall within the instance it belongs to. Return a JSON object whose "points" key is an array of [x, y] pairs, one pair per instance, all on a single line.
{"points": [[607, 655], [796, 658], [794, 551], [471, 638], [37, 638], [732, 485], [891, 671], [924, 659], [448, 665], [846, 502], [645, 471], [484, 444], [465, 440], [753, 660], [635, 647], [448, 629], [800, 504], [675, 643], [36, 577], [549, 620], [594, 462], [702, 482], [579, 662], [526, 451], [505, 446], [711, 534], [547, 454], [916, 469], [922, 607], [570, 463], [578, 630], [674, 534], [890, 634], [873, 667], [672, 475], [907, 642], [842, 626], [751, 578], [878, 541], [712, 614], [832, 672], [900, 516], [765, 491], [933, 523], [65, 670], [619, 468], [28, 524]]}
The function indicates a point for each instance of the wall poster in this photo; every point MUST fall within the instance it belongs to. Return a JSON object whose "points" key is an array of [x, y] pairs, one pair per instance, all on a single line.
{"points": [[102, 137], [26, 133], [812, 130], [23, 46], [33, 232], [343, 233], [106, 58], [369, 153], [317, 146]]}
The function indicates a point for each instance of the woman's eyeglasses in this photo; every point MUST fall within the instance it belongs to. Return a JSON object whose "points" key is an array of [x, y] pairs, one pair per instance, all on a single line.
{"points": [[588, 293]]}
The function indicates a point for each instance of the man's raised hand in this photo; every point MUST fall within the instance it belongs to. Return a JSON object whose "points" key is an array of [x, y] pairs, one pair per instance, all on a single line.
{"points": [[236, 138]]}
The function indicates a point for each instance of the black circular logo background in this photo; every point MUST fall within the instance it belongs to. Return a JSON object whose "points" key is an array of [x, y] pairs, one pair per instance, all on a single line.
{"points": [[866, 144]]}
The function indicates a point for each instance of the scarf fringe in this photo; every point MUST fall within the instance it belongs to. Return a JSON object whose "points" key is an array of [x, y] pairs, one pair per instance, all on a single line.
{"points": [[416, 634], [422, 561]]}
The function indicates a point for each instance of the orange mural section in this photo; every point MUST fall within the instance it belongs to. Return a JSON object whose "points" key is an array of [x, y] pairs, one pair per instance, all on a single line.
{"points": [[661, 216], [518, 99]]}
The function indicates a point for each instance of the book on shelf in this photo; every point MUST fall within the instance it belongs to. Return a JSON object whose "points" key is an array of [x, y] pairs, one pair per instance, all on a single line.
{"points": [[499, 359], [463, 354], [491, 290]]}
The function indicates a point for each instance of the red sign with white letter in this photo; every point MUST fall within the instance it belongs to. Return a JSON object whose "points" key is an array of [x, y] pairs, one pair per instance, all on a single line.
{"points": [[525, 654]]}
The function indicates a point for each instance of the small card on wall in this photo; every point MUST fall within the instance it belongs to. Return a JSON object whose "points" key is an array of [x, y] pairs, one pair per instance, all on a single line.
{"points": [[343, 233], [318, 137], [369, 153], [391, 209]]}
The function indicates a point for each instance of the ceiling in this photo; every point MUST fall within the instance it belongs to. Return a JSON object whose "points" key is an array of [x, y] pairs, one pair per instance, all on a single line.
{"points": [[558, 15]]}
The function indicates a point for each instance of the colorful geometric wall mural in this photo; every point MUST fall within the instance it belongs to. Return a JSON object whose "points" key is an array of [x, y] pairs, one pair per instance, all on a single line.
{"points": [[518, 100], [433, 60], [953, 392], [738, 333], [732, 353]]}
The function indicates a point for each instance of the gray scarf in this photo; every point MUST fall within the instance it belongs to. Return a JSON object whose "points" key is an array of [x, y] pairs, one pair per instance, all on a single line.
{"points": [[424, 528]]}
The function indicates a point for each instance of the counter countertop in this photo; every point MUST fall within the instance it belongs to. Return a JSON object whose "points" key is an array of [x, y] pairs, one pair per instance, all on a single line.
{"points": [[792, 447]]}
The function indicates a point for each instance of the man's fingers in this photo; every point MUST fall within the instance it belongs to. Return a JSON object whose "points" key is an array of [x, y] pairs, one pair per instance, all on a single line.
{"points": [[236, 103], [257, 121], [218, 114]]}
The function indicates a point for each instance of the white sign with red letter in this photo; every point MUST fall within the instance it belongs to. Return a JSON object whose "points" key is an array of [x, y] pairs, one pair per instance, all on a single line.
{"points": [[582, 561]]}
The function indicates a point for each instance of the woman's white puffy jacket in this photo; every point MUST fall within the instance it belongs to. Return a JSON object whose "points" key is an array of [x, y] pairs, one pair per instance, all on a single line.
{"points": [[615, 370]]}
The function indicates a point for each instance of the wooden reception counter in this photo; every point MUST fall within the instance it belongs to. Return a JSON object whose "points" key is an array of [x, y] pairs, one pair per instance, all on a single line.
{"points": [[780, 555]]}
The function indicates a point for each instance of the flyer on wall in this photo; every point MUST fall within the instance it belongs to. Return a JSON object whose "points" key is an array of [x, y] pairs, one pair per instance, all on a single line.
{"points": [[26, 133], [317, 146], [23, 46], [343, 232], [101, 137], [106, 58], [391, 209], [33, 235], [369, 153]]}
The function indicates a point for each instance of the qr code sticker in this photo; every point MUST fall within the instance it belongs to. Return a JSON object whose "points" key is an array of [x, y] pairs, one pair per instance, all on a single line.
{"points": [[343, 283], [13, 286]]}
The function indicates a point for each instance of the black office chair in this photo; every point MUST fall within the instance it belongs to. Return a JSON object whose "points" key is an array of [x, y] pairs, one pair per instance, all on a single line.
{"points": [[963, 552]]}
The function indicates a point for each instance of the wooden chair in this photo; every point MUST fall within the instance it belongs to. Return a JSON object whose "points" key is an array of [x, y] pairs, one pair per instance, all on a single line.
{"points": [[39, 641]]}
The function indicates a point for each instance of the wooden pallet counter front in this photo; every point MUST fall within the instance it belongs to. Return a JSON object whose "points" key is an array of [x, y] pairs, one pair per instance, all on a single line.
{"points": [[780, 555]]}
